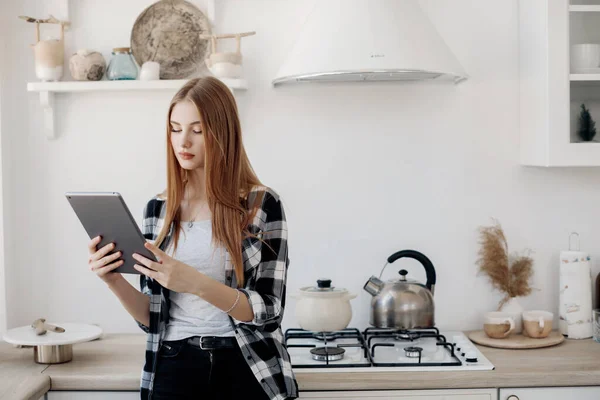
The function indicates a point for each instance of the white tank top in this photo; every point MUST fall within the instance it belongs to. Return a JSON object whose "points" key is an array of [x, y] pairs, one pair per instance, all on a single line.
{"points": [[189, 315]]}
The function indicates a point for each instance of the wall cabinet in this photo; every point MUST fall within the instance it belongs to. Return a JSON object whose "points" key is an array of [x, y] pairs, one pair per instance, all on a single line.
{"points": [[550, 92]]}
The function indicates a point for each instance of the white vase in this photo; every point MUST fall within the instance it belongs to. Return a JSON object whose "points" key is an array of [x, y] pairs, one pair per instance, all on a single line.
{"points": [[514, 308]]}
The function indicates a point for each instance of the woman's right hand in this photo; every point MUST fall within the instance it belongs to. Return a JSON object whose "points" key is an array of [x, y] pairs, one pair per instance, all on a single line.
{"points": [[101, 263]]}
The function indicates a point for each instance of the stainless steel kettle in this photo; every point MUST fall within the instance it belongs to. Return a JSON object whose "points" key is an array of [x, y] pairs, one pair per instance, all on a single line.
{"points": [[403, 303]]}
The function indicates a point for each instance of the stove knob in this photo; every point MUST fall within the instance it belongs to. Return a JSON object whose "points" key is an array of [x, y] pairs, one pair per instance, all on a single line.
{"points": [[471, 356], [466, 350], [512, 397]]}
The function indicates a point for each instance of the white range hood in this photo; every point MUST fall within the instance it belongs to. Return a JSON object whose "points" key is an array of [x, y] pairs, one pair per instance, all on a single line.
{"points": [[368, 40]]}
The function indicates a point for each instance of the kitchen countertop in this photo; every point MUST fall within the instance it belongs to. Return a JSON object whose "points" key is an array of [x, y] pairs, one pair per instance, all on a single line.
{"points": [[19, 373], [114, 362]]}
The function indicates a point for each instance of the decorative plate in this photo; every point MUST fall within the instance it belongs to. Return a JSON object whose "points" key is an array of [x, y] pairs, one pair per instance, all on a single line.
{"points": [[168, 32]]}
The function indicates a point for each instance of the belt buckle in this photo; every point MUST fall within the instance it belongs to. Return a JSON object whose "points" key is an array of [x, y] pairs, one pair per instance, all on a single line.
{"points": [[201, 342]]}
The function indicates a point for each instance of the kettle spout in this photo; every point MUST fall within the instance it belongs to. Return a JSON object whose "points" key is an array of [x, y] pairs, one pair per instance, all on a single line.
{"points": [[373, 286]]}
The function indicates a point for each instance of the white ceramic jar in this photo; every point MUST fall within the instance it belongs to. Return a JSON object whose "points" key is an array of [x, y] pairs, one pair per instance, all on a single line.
{"points": [[323, 308]]}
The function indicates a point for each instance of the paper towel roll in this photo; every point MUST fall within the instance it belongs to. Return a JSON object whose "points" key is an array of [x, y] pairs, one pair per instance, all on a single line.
{"points": [[575, 299]]}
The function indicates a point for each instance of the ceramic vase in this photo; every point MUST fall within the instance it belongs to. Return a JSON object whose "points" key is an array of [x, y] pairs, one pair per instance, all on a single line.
{"points": [[48, 56], [87, 65], [514, 308]]}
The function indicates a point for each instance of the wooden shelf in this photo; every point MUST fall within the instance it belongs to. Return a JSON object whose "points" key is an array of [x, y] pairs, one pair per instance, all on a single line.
{"points": [[47, 90], [584, 8]]}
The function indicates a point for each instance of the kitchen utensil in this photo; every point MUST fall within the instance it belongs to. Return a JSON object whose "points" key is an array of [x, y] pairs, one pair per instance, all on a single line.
{"points": [[403, 303], [169, 32], [516, 341], [575, 293], [498, 325], [53, 347], [323, 308], [537, 324]]}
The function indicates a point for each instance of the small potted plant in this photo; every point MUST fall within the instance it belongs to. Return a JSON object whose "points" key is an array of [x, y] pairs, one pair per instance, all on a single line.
{"points": [[586, 126]]}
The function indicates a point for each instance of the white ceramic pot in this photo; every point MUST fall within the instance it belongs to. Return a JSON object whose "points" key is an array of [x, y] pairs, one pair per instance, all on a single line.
{"points": [[323, 308], [515, 310], [48, 56]]}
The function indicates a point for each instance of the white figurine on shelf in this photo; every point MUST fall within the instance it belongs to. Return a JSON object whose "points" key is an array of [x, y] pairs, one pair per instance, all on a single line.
{"points": [[48, 53], [226, 64]]}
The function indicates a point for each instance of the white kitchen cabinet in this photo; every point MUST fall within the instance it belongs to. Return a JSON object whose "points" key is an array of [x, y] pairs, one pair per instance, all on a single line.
{"points": [[91, 395], [554, 393], [463, 394], [550, 94]]}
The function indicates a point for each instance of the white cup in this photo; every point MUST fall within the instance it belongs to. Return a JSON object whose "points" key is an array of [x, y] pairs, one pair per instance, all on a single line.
{"points": [[150, 71], [584, 56]]}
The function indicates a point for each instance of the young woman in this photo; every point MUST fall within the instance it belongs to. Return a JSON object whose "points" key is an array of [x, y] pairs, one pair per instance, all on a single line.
{"points": [[212, 305]]}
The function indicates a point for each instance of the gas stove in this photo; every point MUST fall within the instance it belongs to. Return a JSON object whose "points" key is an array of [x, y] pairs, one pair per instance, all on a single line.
{"points": [[376, 349]]}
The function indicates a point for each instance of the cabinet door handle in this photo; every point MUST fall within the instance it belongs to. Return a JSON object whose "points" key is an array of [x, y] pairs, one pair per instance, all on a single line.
{"points": [[512, 397]]}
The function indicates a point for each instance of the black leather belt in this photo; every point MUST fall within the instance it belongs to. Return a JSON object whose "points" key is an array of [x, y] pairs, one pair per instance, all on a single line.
{"points": [[212, 342]]}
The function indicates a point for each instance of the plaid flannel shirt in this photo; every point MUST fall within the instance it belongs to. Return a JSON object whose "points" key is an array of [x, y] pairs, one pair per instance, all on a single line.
{"points": [[265, 270]]}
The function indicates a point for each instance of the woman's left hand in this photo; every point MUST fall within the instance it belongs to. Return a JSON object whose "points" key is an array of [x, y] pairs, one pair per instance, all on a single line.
{"points": [[170, 273]]}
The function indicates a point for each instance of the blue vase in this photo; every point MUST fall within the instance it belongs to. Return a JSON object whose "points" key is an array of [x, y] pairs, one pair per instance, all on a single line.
{"points": [[122, 65]]}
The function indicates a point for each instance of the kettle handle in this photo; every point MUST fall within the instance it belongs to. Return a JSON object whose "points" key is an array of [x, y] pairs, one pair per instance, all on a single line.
{"points": [[422, 258]]}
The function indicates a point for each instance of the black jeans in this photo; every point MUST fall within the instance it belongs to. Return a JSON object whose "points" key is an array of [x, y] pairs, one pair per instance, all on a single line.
{"points": [[184, 371]]}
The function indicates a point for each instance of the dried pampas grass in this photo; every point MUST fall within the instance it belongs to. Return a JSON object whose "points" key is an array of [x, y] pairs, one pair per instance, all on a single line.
{"points": [[509, 275]]}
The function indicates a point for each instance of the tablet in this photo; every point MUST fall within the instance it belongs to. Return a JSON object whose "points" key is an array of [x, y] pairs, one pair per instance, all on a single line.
{"points": [[107, 215]]}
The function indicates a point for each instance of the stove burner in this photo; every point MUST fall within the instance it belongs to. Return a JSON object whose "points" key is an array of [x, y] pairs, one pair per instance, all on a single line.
{"points": [[413, 352], [325, 336], [327, 353]]}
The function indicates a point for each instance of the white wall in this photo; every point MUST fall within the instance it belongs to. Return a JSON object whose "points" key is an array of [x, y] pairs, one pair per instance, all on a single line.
{"points": [[364, 169], [3, 11]]}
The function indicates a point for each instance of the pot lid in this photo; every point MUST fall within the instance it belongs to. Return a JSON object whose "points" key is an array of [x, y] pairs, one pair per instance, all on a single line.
{"points": [[323, 288], [403, 278]]}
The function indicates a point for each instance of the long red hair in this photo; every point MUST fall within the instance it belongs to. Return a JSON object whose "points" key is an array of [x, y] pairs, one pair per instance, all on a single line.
{"points": [[229, 174]]}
